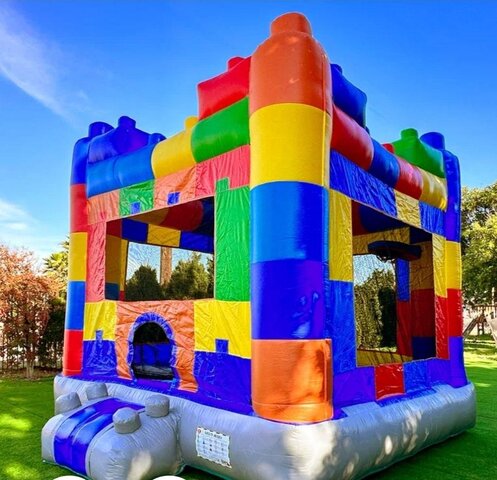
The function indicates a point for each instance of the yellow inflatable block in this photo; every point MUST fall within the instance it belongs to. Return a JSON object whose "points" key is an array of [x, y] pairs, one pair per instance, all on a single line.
{"points": [[166, 237], [77, 256], [174, 153], [100, 316], [124, 264], [289, 142], [421, 274], [373, 357], [439, 260], [216, 319], [434, 190], [340, 237], [113, 259], [361, 242], [453, 264], [407, 209]]}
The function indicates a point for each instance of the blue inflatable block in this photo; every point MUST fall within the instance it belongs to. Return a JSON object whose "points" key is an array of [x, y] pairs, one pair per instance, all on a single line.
{"points": [[416, 376], [456, 352], [138, 354], [340, 325], [101, 178], [374, 221], [111, 291], [220, 375], [347, 97], [123, 139], [423, 347], [292, 219], [75, 309], [452, 174], [163, 352], [206, 226], [149, 355], [135, 208], [417, 235], [402, 278], [353, 181], [432, 219], [173, 198], [221, 345], [81, 152], [354, 387], [99, 357], [135, 167], [134, 231], [453, 212], [385, 165], [196, 242], [288, 299], [79, 161], [438, 371]]}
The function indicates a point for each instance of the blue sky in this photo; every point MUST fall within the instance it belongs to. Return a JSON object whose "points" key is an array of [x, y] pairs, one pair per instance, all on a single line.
{"points": [[65, 64]]}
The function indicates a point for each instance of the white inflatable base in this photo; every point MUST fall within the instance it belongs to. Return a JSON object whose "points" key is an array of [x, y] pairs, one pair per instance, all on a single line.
{"points": [[242, 447]]}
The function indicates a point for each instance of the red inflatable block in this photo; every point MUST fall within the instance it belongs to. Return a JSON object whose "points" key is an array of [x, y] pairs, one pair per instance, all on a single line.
{"points": [[442, 327], [79, 208], [115, 228], [357, 227], [454, 310], [73, 352], [423, 312], [95, 264], [388, 147], [351, 140], [234, 165], [389, 380], [410, 179], [225, 89], [404, 336], [186, 217]]}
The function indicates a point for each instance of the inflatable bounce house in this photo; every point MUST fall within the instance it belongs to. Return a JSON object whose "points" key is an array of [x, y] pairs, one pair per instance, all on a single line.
{"points": [[280, 180]]}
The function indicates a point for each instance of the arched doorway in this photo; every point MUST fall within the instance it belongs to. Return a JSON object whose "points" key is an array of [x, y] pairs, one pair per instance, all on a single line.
{"points": [[151, 352]]}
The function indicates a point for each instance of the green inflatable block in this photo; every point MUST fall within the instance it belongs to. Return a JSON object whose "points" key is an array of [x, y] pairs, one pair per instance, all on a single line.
{"points": [[412, 149], [221, 132], [232, 271], [136, 198]]}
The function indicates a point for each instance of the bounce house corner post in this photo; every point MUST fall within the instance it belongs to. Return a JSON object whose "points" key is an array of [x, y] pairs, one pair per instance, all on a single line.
{"points": [[77, 270], [290, 131]]}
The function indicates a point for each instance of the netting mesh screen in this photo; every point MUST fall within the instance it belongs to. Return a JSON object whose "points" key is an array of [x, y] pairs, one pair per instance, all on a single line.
{"points": [[375, 305]]}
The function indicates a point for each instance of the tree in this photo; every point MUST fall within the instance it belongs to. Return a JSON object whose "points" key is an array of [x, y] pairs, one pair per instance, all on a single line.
{"points": [[210, 275], [479, 244], [189, 280], [25, 302], [56, 266], [375, 310], [143, 285]]}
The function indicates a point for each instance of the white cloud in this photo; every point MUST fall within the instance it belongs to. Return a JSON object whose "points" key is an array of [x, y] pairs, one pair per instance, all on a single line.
{"points": [[19, 229], [37, 65]]}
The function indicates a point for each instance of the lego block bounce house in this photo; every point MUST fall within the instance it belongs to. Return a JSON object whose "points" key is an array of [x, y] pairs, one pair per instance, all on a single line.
{"points": [[279, 178]]}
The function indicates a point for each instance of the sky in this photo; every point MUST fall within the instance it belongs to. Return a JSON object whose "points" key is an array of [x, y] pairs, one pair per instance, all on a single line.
{"points": [[65, 64]]}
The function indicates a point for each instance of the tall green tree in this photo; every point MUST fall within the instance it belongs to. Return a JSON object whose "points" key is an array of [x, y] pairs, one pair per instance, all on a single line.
{"points": [[189, 280], [375, 310], [479, 244], [143, 285]]}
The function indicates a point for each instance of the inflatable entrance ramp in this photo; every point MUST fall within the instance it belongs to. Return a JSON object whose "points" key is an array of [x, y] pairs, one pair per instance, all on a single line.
{"points": [[109, 439], [276, 377]]}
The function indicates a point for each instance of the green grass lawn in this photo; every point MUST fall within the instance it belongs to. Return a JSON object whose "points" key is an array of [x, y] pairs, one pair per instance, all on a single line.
{"points": [[25, 406]]}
